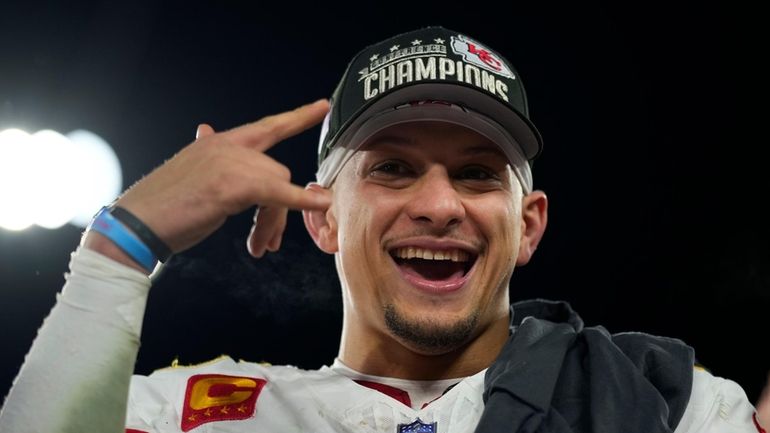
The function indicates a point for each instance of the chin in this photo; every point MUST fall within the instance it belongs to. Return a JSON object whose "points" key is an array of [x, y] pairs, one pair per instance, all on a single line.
{"points": [[430, 335]]}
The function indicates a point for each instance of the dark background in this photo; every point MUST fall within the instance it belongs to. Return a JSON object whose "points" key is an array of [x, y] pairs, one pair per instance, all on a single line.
{"points": [[653, 171]]}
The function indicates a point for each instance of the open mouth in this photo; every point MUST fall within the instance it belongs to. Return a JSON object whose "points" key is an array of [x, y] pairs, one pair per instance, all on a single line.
{"points": [[442, 270]]}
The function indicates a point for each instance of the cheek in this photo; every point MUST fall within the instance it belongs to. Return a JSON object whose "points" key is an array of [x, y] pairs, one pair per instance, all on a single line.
{"points": [[359, 234], [370, 212], [352, 228], [513, 223], [363, 264], [500, 220], [512, 238]]}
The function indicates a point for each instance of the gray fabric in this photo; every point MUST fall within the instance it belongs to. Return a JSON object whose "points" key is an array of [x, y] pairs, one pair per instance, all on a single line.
{"points": [[554, 375]]}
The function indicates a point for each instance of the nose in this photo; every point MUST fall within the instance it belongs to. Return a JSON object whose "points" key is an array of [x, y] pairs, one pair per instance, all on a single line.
{"points": [[435, 201]]}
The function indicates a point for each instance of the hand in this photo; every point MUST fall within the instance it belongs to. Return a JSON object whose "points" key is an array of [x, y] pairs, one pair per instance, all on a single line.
{"points": [[220, 174]]}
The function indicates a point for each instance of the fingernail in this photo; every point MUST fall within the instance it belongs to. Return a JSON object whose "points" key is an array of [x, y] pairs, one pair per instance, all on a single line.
{"points": [[198, 132], [319, 196]]}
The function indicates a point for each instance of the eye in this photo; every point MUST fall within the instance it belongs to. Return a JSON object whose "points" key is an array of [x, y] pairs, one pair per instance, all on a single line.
{"points": [[390, 168], [476, 173]]}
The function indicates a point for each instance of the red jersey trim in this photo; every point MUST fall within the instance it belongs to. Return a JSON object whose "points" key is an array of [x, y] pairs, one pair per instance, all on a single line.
{"points": [[390, 391], [756, 424]]}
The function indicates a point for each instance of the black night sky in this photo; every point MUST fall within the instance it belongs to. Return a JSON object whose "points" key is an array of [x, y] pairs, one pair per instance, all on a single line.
{"points": [[653, 173]]}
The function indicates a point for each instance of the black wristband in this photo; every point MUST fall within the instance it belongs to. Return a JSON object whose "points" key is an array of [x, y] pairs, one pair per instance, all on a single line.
{"points": [[153, 242]]}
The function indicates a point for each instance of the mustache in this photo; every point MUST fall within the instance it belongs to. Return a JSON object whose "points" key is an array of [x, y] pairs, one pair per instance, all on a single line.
{"points": [[448, 234]]}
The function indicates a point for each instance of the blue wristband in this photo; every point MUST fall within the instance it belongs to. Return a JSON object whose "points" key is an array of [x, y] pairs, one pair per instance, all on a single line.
{"points": [[115, 231]]}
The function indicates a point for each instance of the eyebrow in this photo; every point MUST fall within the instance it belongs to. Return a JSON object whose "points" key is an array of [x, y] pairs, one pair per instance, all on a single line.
{"points": [[399, 141], [388, 139], [482, 150]]}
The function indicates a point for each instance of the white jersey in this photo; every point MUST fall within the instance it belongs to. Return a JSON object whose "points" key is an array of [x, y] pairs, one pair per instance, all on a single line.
{"points": [[75, 376], [227, 396]]}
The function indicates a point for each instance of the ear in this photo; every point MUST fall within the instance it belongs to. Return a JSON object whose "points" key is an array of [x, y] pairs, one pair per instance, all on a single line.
{"points": [[321, 224], [534, 218]]}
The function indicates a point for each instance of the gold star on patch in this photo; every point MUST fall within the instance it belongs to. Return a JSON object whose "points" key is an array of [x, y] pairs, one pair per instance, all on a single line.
{"points": [[242, 408], [439, 41], [224, 410], [393, 48], [416, 42], [374, 57]]}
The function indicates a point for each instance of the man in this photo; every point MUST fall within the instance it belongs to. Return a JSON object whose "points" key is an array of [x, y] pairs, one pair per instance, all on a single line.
{"points": [[425, 197]]}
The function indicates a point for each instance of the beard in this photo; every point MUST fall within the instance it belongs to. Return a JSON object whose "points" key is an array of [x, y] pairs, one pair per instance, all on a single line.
{"points": [[429, 336]]}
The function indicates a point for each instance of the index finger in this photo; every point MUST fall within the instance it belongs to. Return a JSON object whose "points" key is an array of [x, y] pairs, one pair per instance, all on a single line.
{"points": [[277, 193], [266, 132]]}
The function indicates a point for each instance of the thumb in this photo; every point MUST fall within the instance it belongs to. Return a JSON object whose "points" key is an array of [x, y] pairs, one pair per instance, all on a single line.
{"points": [[203, 130]]}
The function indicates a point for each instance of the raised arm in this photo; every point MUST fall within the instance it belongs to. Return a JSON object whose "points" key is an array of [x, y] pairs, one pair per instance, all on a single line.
{"points": [[76, 376]]}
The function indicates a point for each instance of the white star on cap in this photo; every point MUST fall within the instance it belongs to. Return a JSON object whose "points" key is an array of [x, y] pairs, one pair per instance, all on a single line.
{"points": [[416, 42], [374, 57], [439, 41], [393, 48]]}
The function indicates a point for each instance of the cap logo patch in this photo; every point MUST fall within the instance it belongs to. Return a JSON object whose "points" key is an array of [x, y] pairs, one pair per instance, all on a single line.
{"points": [[397, 53], [477, 54], [420, 61], [216, 397], [426, 64]]}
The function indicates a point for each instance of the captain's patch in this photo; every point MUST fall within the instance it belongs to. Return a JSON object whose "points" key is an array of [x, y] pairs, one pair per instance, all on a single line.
{"points": [[216, 397]]}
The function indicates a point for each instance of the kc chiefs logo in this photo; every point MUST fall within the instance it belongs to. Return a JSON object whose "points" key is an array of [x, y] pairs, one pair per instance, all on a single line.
{"points": [[216, 397], [477, 54]]}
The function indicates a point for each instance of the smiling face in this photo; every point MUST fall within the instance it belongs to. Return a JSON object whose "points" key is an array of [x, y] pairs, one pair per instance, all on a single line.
{"points": [[428, 222]]}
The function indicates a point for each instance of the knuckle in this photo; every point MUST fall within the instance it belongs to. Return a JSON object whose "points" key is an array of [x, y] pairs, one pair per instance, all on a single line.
{"points": [[262, 190], [267, 127], [284, 172], [226, 183], [211, 143], [221, 185], [278, 124], [225, 179]]}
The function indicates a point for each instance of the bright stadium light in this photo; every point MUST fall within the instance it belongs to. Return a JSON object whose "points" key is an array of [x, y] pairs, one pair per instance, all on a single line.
{"points": [[16, 157], [52, 185], [50, 179], [101, 180]]}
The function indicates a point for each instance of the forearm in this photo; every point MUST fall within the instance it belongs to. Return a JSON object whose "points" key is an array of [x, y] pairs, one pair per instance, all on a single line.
{"points": [[76, 376]]}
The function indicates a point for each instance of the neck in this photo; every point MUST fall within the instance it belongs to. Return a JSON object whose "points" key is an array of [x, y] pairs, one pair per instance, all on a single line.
{"points": [[372, 351]]}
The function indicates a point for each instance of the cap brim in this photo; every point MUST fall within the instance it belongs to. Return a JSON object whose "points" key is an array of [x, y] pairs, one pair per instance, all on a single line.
{"points": [[358, 135], [514, 123]]}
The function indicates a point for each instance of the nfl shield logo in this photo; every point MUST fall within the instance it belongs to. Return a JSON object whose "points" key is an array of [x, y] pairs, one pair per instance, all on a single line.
{"points": [[417, 427]]}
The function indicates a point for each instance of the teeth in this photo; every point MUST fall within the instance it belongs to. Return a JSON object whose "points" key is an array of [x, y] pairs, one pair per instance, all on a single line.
{"points": [[454, 255]]}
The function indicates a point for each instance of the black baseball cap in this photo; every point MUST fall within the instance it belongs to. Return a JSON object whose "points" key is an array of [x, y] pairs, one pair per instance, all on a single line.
{"points": [[436, 65]]}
